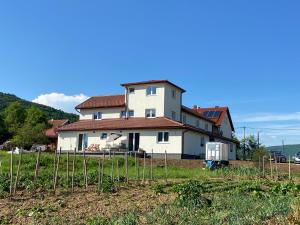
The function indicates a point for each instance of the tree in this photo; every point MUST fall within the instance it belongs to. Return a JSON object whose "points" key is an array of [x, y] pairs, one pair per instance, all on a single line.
{"points": [[32, 132], [4, 135], [248, 145], [14, 117]]}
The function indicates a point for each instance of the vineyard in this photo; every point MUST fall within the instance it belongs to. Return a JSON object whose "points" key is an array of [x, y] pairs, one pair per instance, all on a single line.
{"points": [[43, 188]]}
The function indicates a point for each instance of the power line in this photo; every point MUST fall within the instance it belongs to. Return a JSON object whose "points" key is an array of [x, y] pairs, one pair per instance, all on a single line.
{"points": [[268, 128]]}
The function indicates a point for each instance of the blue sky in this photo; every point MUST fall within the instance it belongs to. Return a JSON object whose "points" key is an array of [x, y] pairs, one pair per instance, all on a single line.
{"points": [[244, 54]]}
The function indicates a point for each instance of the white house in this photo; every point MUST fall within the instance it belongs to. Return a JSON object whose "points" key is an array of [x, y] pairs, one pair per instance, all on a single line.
{"points": [[150, 117]]}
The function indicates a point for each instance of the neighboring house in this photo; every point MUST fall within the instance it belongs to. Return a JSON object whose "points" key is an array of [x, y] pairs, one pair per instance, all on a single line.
{"points": [[150, 117], [52, 132]]}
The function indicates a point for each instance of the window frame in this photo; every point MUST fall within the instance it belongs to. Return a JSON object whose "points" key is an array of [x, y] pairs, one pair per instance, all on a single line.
{"points": [[165, 137], [121, 114], [173, 93], [152, 113], [202, 141], [150, 90], [173, 115], [103, 138], [131, 90], [130, 111], [96, 116]]}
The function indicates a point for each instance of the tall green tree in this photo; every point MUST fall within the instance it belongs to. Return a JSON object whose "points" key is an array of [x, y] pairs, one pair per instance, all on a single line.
{"points": [[14, 117], [4, 135], [248, 146], [33, 130]]}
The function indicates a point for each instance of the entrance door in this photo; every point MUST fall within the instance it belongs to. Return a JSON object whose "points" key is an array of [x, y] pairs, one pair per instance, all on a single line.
{"points": [[133, 141]]}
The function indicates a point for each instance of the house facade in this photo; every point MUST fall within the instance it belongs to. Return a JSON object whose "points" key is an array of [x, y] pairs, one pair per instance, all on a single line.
{"points": [[149, 116]]}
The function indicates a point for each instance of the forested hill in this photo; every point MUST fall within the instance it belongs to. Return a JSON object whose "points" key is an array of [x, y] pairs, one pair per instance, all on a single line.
{"points": [[289, 150], [51, 113]]}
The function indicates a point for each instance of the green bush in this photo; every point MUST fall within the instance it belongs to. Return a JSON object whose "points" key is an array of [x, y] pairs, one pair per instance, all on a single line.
{"points": [[190, 195]]}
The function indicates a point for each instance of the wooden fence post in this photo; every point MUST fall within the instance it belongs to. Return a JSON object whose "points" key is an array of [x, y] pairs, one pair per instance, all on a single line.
{"points": [[11, 173], [263, 165], [144, 168], [37, 165], [99, 174], [102, 168], [67, 169], [56, 170], [271, 167], [166, 167], [73, 169], [126, 167], [18, 171], [85, 170], [118, 171], [112, 169], [151, 165], [54, 165], [290, 177]]}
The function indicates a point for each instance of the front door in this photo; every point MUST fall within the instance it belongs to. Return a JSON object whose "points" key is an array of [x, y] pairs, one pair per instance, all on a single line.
{"points": [[133, 141]]}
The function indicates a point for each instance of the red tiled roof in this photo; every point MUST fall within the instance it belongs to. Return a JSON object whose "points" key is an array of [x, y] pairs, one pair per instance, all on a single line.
{"points": [[218, 121], [55, 124], [195, 113], [103, 102], [123, 124], [152, 82]]}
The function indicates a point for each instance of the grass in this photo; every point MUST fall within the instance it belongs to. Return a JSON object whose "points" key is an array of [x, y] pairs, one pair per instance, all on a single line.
{"points": [[226, 196]]}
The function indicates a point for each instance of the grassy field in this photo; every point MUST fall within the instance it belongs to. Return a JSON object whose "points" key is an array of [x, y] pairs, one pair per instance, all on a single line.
{"points": [[188, 196]]}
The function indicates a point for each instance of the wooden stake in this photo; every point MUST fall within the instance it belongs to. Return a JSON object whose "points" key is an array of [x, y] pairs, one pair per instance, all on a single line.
{"points": [[112, 169], [118, 171], [126, 167], [99, 174], [290, 178], [73, 169], [166, 167], [56, 170], [11, 173], [54, 165], [85, 170], [271, 167], [263, 165], [37, 165], [18, 172], [102, 168], [151, 165], [276, 166], [67, 169], [144, 168]]}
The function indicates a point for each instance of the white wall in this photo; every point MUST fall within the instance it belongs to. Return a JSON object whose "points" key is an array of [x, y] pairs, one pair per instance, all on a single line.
{"points": [[107, 113], [232, 148], [226, 127], [139, 101], [191, 120], [148, 140], [192, 143], [172, 104]]}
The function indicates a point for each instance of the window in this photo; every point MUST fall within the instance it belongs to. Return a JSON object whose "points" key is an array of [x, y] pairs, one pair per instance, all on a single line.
{"points": [[150, 113], [184, 118], [151, 90], [97, 116], [173, 115], [131, 90], [206, 126], [202, 142], [163, 137], [173, 93], [231, 147], [122, 114], [197, 123], [82, 142], [103, 136], [131, 113]]}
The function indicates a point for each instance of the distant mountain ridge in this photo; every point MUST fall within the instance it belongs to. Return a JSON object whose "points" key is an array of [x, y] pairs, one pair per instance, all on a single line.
{"points": [[289, 150], [51, 113]]}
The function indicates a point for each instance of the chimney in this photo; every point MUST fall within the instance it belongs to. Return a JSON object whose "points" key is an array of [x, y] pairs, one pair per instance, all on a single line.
{"points": [[195, 107], [217, 106]]}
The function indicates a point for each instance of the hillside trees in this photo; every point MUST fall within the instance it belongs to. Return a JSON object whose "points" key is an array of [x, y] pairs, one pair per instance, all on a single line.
{"points": [[26, 127], [4, 135]]}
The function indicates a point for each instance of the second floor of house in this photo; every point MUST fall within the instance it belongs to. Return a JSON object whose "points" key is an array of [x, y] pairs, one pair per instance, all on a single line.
{"points": [[152, 99]]}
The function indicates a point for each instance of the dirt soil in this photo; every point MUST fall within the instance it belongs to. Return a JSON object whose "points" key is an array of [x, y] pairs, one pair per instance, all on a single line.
{"points": [[45, 208], [186, 163]]}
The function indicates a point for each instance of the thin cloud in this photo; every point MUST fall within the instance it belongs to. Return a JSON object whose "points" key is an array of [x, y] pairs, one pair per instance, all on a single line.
{"points": [[61, 101], [268, 117]]}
